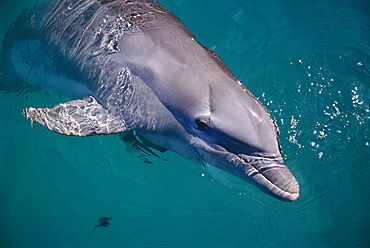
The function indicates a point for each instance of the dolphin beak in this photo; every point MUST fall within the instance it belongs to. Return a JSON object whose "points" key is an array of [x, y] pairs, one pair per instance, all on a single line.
{"points": [[266, 171], [270, 174]]}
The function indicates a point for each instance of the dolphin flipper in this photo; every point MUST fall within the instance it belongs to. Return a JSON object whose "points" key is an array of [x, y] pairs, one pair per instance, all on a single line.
{"points": [[81, 117]]}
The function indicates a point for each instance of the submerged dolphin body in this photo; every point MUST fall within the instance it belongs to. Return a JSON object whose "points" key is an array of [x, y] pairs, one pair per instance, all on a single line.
{"points": [[132, 65]]}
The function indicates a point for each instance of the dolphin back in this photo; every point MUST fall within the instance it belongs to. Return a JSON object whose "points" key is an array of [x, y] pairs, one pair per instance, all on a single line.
{"points": [[82, 34]]}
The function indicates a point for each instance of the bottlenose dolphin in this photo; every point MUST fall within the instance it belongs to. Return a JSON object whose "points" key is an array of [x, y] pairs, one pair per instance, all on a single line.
{"points": [[133, 65]]}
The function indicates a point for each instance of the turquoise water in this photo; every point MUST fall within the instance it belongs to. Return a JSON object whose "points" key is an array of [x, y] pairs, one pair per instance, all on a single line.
{"points": [[308, 61]]}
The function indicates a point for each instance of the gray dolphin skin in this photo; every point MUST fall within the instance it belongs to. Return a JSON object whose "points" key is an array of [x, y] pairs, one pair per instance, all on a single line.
{"points": [[132, 65]]}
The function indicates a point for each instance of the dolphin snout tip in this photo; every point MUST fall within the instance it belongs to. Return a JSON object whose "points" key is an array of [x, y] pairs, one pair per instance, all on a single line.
{"points": [[291, 192], [292, 197], [280, 181]]}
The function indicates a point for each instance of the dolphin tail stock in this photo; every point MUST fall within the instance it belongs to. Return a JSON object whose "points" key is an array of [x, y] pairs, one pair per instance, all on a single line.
{"points": [[81, 117]]}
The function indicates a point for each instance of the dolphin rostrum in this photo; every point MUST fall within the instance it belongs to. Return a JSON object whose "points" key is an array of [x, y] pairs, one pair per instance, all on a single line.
{"points": [[133, 65]]}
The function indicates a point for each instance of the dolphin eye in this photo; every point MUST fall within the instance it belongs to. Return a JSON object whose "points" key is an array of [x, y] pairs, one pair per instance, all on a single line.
{"points": [[201, 125]]}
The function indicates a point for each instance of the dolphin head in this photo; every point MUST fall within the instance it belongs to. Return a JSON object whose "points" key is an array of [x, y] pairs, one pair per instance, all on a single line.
{"points": [[222, 122], [234, 132]]}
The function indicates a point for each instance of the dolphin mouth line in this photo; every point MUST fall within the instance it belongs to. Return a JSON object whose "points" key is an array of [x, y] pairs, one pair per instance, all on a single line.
{"points": [[272, 162], [264, 170]]}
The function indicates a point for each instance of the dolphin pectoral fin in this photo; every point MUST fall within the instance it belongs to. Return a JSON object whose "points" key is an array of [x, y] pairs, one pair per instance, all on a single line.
{"points": [[81, 117]]}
